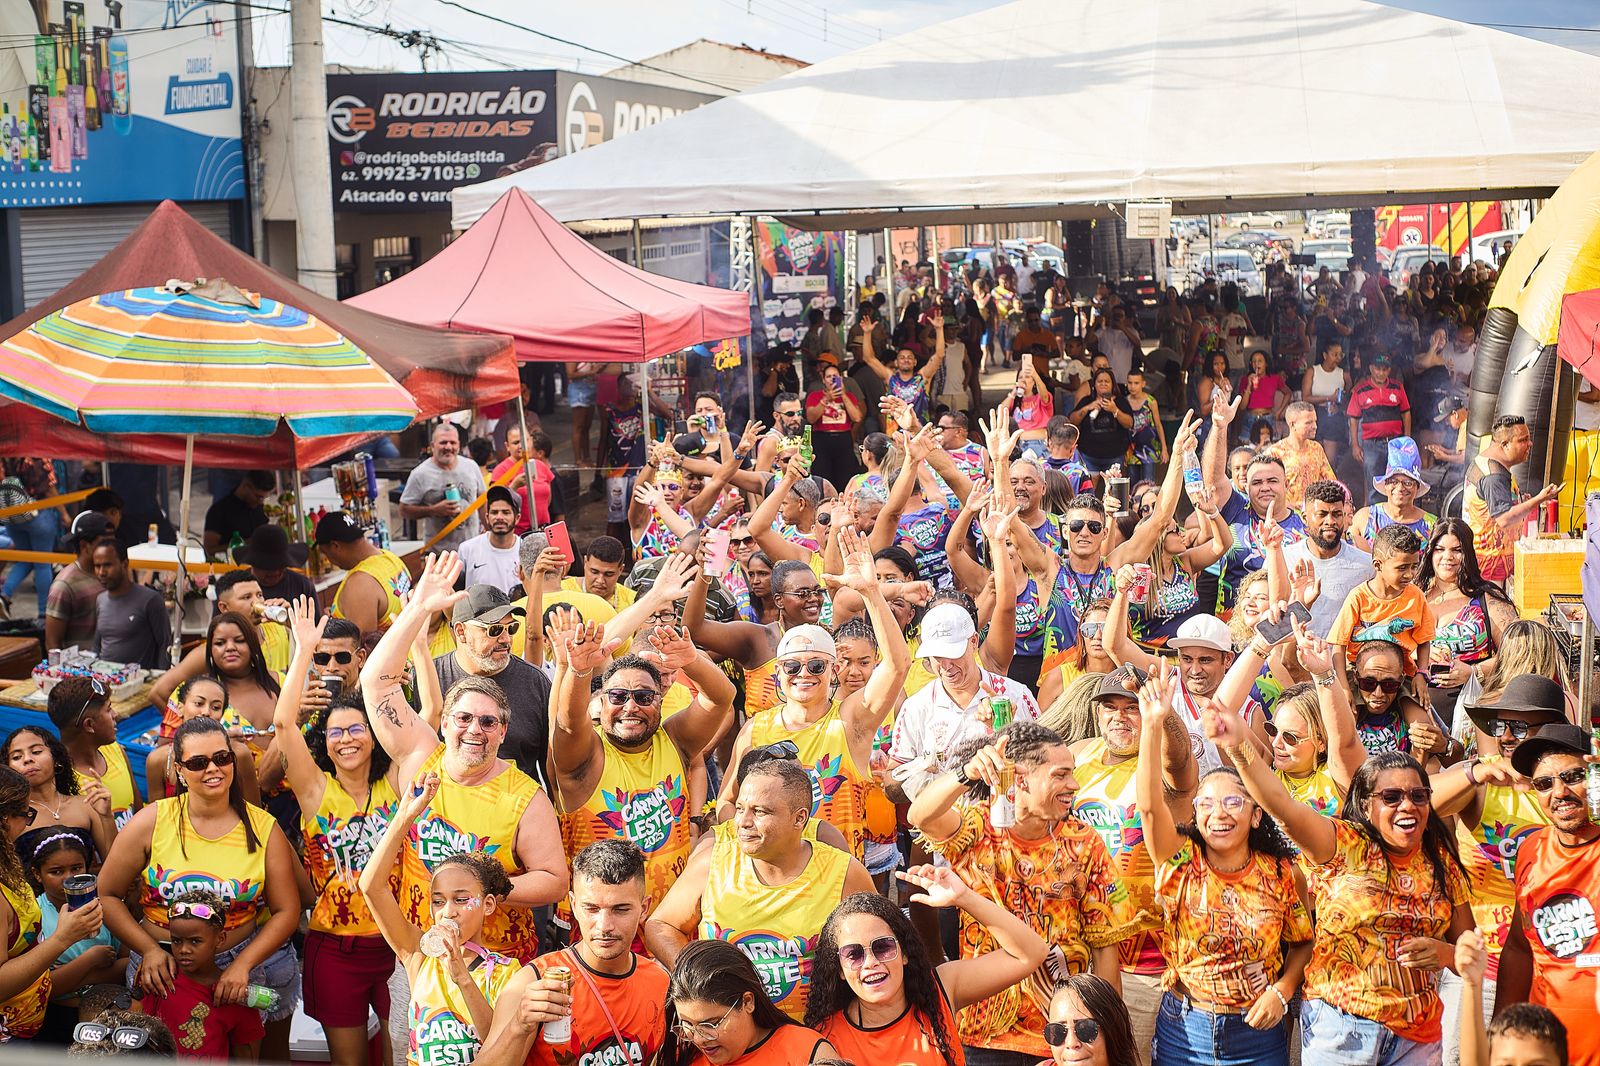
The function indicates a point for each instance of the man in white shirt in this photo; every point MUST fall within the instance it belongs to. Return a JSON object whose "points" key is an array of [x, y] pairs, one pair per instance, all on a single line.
{"points": [[439, 487], [491, 558], [1025, 286], [956, 705], [1340, 565]]}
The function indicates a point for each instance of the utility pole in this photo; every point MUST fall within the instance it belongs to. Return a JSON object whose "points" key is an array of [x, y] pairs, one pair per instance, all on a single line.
{"points": [[313, 185]]}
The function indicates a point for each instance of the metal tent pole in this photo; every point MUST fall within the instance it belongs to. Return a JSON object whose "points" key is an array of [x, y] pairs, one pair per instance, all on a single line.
{"points": [[644, 364], [756, 297]]}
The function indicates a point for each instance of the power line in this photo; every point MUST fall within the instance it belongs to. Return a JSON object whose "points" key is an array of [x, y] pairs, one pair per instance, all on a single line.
{"points": [[587, 48]]}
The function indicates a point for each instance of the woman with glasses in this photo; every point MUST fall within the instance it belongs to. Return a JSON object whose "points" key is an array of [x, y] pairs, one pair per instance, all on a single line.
{"points": [[1470, 615], [25, 965], [1086, 656], [718, 1012], [1388, 716], [1088, 1024], [1236, 936], [876, 995], [347, 789], [209, 837], [58, 803], [1390, 899]]}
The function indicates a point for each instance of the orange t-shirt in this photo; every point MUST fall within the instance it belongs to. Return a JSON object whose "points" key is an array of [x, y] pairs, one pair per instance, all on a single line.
{"points": [[906, 1041], [637, 1001], [784, 1046], [1558, 892], [1368, 903], [1363, 608]]}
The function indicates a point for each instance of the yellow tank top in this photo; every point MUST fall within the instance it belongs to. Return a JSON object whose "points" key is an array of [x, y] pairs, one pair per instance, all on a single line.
{"points": [[1106, 801], [118, 779], [761, 688], [1489, 852], [390, 572], [477, 818], [440, 1030], [640, 797], [776, 926], [838, 789], [275, 646], [23, 1014], [1317, 790], [339, 838], [181, 859]]}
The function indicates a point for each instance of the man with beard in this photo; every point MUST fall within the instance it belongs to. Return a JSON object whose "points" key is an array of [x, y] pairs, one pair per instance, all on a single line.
{"points": [[761, 885], [427, 498], [1106, 768], [627, 775], [1247, 512], [833, 738], [485, 621], [484, 803], [491, 558], [616, 994], [1339, 565], [1558, 893], [752, 645], [788, 423]]}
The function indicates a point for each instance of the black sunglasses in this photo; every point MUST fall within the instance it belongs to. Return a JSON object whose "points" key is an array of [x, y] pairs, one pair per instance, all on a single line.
{"points": [[323, 658], [1518, 730], [196, 763], [1087, 1030], [97, 692], [643, 697], [1077, 525], [814, 667], [1572, 778], [1393, 797], [1390, 685], [781, 749]]}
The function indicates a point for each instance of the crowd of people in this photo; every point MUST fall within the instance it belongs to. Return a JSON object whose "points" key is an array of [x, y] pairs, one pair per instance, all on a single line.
{"points": [[895, 734]]}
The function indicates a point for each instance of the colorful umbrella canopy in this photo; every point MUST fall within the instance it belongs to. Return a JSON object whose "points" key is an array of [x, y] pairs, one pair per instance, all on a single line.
{"points": [[202, 358]]}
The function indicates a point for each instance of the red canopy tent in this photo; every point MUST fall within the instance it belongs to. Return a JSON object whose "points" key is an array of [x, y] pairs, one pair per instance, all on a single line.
{"points": [[519, 271], [443, 370]]}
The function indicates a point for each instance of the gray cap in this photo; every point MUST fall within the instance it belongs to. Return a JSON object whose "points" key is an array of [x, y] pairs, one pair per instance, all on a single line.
{"points": [[485, 603]]}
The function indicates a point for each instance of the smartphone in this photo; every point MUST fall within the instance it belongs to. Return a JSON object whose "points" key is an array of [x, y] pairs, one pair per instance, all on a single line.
{"points": [[719, 551], [1272, 632], [561, 540], [529, 548], [1300, 611]]}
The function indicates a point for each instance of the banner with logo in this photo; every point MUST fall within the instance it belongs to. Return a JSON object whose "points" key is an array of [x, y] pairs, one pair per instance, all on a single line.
{"points": [[401, 142], [109, 102], [799, 270]]}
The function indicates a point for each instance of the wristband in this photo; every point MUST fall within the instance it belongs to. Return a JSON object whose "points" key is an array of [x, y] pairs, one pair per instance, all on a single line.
{"points": [[1242, 755], [1327, 680], [961, 777], [1260, 650], [1472, 776], [1281, 997]]}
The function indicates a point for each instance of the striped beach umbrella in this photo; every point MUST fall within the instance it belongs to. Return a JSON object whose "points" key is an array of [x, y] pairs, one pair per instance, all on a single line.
{"points": [[199, 359]]}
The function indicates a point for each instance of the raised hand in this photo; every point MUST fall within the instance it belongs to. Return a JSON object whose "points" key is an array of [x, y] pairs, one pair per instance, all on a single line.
{"points": [[939, 886], [1188, 434], [98, 797], [1155, 695], [563, 620], [303, 622], [858, 569], [1271, 535], [1472, 960], [1223, 412], [919, 447], [672, 648], [676, 578], [1305, 583], [587, 647], [747, 439], [435, 589], [550, 561], [1223, 728], [415, 799], [989, 763], [1313, 651], [648, 494]]}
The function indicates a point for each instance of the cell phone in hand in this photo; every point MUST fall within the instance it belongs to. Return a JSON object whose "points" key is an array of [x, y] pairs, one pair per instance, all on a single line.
{"points": [[529, 547], [1271, 631], [561, 540], [1300, 611]]}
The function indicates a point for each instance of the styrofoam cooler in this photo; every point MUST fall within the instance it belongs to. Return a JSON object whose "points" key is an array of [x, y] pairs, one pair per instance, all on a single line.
{"points": [[308, 1044]]}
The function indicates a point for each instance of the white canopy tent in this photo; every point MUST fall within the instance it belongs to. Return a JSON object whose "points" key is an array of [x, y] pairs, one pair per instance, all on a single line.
{"points": [[1045, 109]]}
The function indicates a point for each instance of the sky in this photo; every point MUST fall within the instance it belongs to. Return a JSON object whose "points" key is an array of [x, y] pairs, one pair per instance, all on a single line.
{"points": [[810, 30]]}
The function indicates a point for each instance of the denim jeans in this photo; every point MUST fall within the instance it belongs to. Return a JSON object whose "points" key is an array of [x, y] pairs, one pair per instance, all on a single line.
{"points": [[1330, 1037], [1187, 1034], [38, 535], [1375, 460]]}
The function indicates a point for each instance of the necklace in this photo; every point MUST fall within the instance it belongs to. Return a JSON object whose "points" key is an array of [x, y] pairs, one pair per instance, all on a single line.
{"points": [[55, 812], [1233, 870]]}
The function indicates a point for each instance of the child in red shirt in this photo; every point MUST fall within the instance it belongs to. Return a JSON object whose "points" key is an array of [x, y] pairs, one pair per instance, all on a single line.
{"points": [[204, 1027]]}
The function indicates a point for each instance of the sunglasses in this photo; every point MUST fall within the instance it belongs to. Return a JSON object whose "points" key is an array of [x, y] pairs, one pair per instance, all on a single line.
{"points": [[123, 1036], [1077, 525], [486, 722], [882, 949], [642, 697], [670, 486], [1092, 630], [1390, 685], [814, 667], [741, 542], [1231, 804], [1393, 797], [1290, 737], [27, 814], [702, 1030], [1572, 778], [493, 630], [323, 658], [1087, 1030], [1518, 730], [354, 732], [781, 749], [189, 909], [812, 593], [196, 763], [97, 692]]}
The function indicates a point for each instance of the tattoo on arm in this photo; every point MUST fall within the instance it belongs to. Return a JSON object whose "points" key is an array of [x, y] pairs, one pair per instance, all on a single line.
{"points": [[386, 708]]}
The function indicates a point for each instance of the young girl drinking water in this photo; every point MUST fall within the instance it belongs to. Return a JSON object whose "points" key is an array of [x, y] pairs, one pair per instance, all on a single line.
{"points": [[454, 982]]}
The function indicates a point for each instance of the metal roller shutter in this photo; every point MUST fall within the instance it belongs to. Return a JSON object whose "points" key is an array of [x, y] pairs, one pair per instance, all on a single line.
{"points": [[59, 243]]}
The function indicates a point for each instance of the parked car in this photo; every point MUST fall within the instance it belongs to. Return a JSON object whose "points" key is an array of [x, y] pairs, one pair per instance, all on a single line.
{"points": [[1488, 247], [1326, 246], [1267, 219], [1408, 260], [1318, 222], [1226, 264]]}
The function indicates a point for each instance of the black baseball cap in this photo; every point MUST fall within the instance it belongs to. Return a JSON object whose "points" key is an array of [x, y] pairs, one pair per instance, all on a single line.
{"points": [[501, 494], [485, 603], [88, 526], [1557, 736], [339, 527]]}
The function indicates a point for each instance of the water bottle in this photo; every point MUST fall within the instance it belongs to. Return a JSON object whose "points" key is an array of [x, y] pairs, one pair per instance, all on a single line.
{"points": [[1592, 779], [260, 997], [452, 494], [433, 943], [1194, 480]]}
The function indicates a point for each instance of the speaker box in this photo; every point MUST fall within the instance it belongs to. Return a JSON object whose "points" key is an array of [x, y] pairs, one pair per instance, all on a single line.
{"points": [[1363, 235], [1079, 237]]}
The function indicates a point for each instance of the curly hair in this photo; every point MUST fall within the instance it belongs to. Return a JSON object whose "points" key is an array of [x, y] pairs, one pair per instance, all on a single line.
{"points": [[13, 804], [66, 779], [317, 739], [830, 989], [1264, 839], [491, 876]]}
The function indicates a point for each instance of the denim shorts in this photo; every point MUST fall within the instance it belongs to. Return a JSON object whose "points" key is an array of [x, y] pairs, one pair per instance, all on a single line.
{"points": [[280, 972], [580, 392], [1330, 1037], [1187, 1033]]}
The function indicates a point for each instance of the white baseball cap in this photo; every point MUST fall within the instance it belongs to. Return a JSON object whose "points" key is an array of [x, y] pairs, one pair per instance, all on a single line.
{"points": [[945, 632], [807, 640], [1204, 631]]}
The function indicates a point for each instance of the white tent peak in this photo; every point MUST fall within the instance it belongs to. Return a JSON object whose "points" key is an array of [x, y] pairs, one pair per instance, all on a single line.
{"points": [[1047, 108]]}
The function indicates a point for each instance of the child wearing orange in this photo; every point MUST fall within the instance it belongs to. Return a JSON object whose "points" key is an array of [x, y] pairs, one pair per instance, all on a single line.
{"points": [[1389, 606]]}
